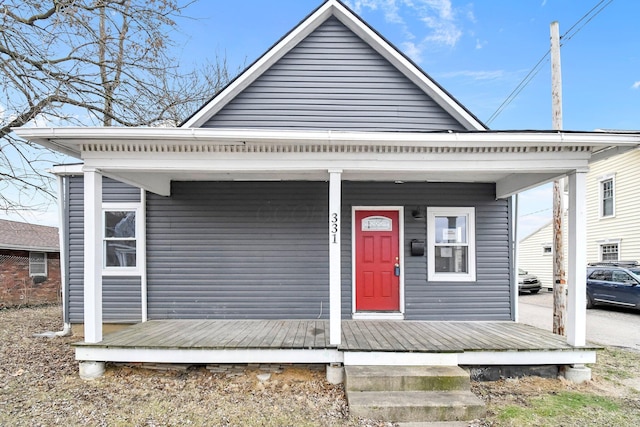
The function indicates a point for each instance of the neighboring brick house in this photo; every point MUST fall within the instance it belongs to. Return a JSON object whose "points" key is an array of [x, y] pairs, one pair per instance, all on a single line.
{"points": [[29, 264]]}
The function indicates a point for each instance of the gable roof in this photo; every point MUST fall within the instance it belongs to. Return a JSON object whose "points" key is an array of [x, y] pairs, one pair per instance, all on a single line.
{"points": [[336, 9], [28, 237]]}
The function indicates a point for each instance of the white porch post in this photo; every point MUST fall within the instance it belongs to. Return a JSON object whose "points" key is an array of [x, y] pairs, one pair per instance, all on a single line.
{"points": [[92, 256], [335, 307], [577, 275]]}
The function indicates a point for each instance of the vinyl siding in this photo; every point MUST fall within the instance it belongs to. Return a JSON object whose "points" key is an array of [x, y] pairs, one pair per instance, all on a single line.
{"points": [[121, 295], [625, 225], [238, 250], [334, 80], [531, 257], [260, 250]]}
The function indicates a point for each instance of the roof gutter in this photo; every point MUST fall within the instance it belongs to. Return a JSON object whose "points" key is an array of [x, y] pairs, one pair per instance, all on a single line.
{"points": [[71, 140]]}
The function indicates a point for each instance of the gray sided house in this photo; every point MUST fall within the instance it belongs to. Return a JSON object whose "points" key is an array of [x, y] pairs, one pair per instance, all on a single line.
{"points": [[332, 182]]}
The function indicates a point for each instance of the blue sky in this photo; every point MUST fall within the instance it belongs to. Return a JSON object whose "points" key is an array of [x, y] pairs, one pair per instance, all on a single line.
{"points": [[478, 51]]}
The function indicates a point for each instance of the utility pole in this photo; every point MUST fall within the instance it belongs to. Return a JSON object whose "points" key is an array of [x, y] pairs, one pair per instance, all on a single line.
{"points": [[560, 284]]}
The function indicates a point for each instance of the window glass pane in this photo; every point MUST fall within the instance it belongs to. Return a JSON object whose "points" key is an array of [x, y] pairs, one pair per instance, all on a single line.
{"points": [[451, 229], [596, 275], [609, 252], [621, 276], [120, 224], [120, 253], [377, 223], [607, 197], [451, 259], [37, 263]]}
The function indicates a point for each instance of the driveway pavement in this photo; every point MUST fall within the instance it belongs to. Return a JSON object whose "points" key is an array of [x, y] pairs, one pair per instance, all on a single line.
{"points": [[605, 326]]}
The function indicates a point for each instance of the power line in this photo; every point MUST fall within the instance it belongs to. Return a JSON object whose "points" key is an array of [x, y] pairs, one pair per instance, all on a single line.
{"points": [[536, 212], [566, 34], [545, 58]]}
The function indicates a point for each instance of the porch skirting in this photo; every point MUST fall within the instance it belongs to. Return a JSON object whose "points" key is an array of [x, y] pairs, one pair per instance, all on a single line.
{"points": [[365, 342]]}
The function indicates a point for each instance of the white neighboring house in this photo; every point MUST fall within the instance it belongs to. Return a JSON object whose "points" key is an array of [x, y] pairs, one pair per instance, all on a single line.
{"points": [[535, 253], [613, 209], [613, 220]]}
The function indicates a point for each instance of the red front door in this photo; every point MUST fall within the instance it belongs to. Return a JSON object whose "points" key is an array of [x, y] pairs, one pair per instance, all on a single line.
{"points": [[377, 261]]}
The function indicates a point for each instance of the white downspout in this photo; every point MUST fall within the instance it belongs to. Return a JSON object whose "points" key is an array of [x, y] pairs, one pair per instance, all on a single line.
{"points": [[143, 251], [516, 264], [62, 232]]}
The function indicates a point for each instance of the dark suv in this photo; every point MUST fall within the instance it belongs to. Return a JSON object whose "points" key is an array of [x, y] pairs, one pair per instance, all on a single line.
{"points": [[614, 283]]}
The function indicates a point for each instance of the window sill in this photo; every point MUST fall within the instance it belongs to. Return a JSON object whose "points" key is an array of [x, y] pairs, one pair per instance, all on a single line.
{"points": [[451, 278], [121, 272]]}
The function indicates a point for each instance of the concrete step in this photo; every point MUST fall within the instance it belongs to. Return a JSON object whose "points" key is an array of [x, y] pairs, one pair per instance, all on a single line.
{"points": [[405, 378], [416, 406]]}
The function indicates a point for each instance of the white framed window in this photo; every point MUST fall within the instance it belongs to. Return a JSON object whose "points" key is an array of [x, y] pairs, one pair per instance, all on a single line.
{"points": [[451, 244], [547, 249], [607, 196], [610, 252], [37, 264], [120, 239]]}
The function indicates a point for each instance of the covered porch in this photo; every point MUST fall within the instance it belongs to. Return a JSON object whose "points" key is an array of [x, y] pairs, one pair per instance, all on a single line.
{"points": [[155, 160], [363, 342]]}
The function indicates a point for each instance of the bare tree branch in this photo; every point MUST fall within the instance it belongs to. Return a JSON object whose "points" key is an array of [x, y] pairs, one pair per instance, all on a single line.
{"points": [[88, 62]]}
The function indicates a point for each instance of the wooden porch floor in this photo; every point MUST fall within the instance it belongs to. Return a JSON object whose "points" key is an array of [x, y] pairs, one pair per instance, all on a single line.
{"points": [[357, 336]]}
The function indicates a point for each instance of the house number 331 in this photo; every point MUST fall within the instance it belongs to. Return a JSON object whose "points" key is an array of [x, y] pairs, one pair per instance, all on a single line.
{"points": [[333, 227]]}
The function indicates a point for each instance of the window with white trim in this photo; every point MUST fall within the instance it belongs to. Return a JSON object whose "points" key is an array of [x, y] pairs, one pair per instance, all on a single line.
{"points": [[609, 252], [451, 244], [547, 249], [607, 197], [37, 264], [120, 239]]}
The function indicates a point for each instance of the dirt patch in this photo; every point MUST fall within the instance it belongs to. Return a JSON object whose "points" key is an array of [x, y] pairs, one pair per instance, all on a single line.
{"points": [[615, 377], [39, 385]]}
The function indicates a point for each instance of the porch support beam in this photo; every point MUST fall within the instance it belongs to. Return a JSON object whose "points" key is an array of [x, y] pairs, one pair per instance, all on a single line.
{"points": [[92, 256], [335, 207], [156, 183], [577, 265], [519, 182]]}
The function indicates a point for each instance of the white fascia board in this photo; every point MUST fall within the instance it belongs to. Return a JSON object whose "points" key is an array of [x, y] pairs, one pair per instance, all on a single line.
{"points": [[391, 358], [73, 138], [541, 357], [66, 170], [260, 66], [407, 68], [274, 163], [204, 355]]}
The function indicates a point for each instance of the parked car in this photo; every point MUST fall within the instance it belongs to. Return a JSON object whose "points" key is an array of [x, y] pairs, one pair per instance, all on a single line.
{"points": [[613, 283], [528, 282]]}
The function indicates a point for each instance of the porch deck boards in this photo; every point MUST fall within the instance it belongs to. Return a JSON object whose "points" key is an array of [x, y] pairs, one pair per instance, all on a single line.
{"points": [[357, 335]]}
